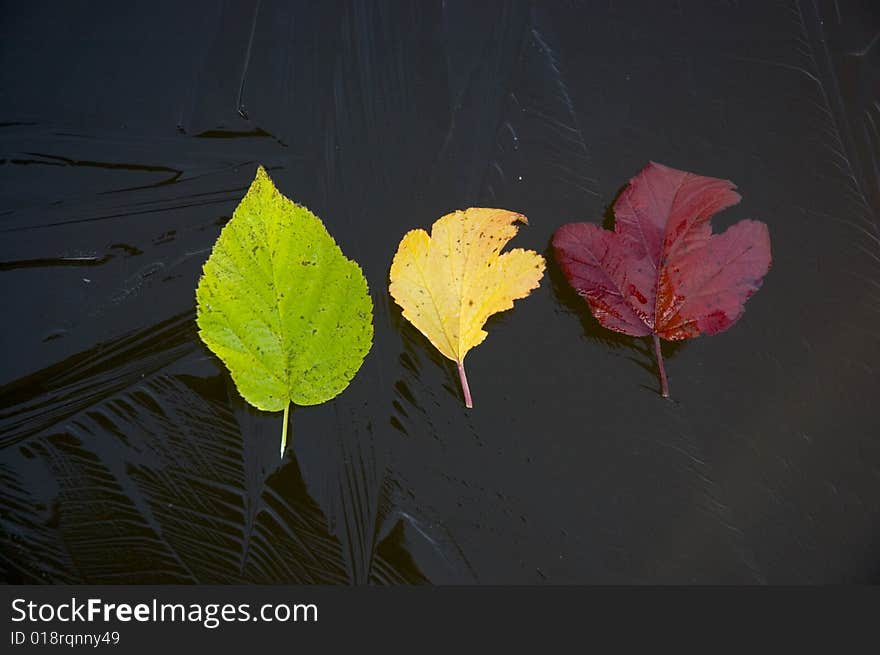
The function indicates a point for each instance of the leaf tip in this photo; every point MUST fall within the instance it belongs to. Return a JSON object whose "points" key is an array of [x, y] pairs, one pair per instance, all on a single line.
{"points": [[261, 177]]}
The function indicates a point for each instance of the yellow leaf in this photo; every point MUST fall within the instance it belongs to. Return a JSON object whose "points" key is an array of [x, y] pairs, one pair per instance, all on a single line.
{"points": [[449, 283]]}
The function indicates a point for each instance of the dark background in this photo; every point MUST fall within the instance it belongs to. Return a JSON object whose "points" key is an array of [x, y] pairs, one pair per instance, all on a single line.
{"points": [[129, 132]]}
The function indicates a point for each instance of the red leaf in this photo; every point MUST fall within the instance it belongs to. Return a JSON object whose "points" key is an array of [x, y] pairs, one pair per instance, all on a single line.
{"points": [[662, 272]]}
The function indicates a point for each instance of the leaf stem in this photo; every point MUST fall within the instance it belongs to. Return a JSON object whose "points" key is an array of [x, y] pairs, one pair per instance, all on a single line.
{"points": [[284, 429], [464, 386], [664, 384]]}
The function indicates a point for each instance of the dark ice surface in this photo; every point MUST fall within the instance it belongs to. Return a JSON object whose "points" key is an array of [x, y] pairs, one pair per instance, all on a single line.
{"points": [[128, 133]]}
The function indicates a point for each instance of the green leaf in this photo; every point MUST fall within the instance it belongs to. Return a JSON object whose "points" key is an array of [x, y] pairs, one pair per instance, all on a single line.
{"points": [[278, 302]]}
